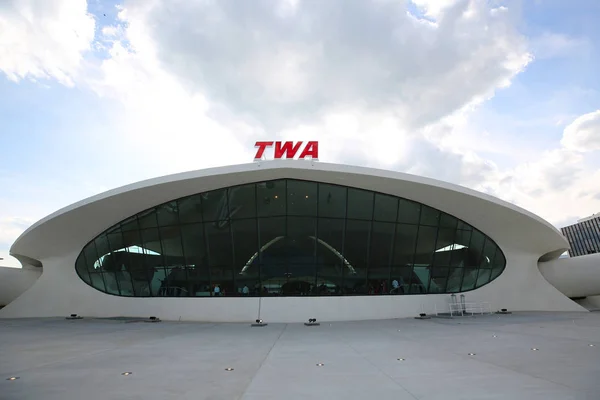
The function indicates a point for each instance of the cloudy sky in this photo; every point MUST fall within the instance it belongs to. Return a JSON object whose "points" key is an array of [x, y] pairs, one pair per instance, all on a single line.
{"points": [[499, 96]]}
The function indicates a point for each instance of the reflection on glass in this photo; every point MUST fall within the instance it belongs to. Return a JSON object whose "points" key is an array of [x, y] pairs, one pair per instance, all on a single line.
{"points": [[289, 238]]}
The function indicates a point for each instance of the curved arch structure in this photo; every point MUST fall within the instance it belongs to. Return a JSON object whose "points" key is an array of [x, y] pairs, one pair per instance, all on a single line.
{"points": [[58, 241], [576, 277]]}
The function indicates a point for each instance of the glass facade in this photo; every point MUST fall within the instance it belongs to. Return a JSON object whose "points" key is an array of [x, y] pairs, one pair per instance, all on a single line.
{"points": [[289, 238]]}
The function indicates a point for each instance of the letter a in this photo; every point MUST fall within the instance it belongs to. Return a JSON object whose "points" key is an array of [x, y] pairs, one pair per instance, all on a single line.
{"points": [[311, 150], [261, 149]]}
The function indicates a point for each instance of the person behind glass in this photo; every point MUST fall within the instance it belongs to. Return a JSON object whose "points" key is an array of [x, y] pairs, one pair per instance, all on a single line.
{"points": [[217, 290], [383, 287], [395, 286], [398, 286], [245, 290]]}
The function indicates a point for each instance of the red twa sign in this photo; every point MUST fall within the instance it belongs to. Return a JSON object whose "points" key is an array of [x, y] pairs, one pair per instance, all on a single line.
{"points": [[288, 150]]}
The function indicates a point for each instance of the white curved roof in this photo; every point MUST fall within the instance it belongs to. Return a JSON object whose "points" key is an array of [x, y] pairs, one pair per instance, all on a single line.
{"points": [[69, 229]]}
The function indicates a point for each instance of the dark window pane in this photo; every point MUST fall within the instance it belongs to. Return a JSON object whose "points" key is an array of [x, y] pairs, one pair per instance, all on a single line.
{"points": [[301, 244], [332, 265], [404, 245], [93, 266], [130, 224], [82, 269], [273, 254], [102, 250], [170, 237], [215, 208], [245, 255], [97, 280], [464, 226], [476, 248], [220, 259], [301, 250], [496, 273], [454, 280], [176, 281], [356, 246], [386, 208], [462, 238], [382, 241], [469, 278], [444, 247], [196, 259], [167, 214], [499, 260], [190, 209], [301, 198], [115, 266], [489, 251], [140, 274], [483, 277], [242, 201], [439, 279], [425, 245], [271, 198], [151, 251], [448, 221], [360, 204], [332, 201], [429, 216], [245, 243], [330, 238], [408, 211], [111, 282], [147, 219]]}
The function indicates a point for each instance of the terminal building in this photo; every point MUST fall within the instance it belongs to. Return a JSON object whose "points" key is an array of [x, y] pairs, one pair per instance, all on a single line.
{"points": [[288, 240], [584, 236]]}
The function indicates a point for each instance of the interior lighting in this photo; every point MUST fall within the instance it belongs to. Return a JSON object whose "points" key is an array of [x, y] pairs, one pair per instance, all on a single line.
{"points": [[126, 373], [12, 378], [228, 369], [471, 354], [320, 364]]}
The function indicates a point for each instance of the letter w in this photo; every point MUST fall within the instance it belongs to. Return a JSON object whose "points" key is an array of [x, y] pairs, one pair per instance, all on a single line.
{"points": [[288, 148]]}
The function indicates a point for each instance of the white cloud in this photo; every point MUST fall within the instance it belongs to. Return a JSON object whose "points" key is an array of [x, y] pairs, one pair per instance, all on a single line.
{"points": [[583, 134], [285, 71], [41, 39]]}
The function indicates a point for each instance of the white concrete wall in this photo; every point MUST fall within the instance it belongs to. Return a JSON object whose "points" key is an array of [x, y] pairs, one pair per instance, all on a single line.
{"points": [[576, 276], [591, 303], [60, 292], [15, 281]]}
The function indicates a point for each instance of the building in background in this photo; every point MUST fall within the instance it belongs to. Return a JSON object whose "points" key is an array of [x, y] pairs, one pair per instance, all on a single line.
{"points": [[584, 236]]}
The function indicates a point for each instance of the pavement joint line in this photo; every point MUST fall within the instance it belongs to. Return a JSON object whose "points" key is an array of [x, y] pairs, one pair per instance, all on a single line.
{"points": [[382, 371], [263, 361]]}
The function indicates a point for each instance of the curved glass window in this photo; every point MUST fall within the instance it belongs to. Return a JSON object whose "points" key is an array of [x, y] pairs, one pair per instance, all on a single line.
{"points": [[289, 238]]}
